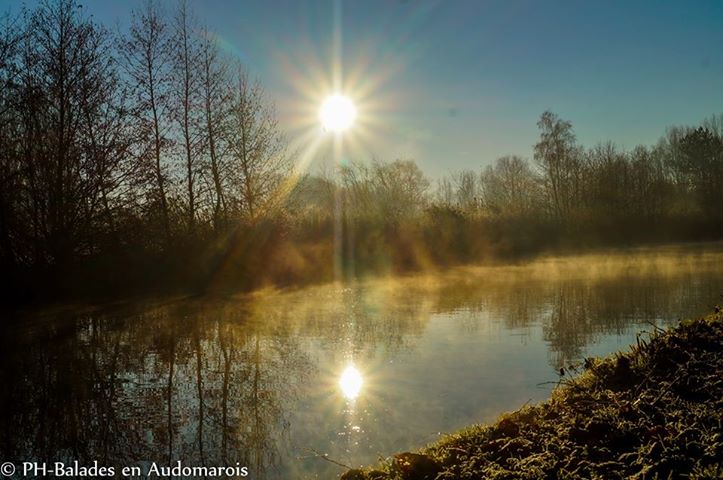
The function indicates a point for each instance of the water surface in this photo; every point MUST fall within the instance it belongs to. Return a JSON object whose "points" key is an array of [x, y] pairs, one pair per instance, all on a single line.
{"points": [[256, 379]]}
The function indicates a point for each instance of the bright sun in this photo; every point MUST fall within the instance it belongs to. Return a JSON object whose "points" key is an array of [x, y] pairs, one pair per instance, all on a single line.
{"points": [[337, 113]]}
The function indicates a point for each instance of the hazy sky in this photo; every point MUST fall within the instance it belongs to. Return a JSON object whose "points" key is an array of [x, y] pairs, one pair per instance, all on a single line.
{"points": [[456, 84]]}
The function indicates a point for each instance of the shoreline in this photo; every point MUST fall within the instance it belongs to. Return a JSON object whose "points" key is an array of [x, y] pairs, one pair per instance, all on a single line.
{"points": [[654, 411], [36, 300]]}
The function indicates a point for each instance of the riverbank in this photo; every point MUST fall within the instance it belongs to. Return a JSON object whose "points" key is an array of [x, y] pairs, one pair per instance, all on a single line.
{"points": [[655, 411], [259, 265]]}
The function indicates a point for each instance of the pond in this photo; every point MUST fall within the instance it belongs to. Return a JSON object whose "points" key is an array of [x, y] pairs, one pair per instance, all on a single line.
{"points": [[358, 371]]}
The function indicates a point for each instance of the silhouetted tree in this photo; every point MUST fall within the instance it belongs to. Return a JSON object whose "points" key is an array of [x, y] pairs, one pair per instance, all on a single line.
{"points": [[10, 167], [651, 188], [110, 150], [559, 160], [66, 95], [186, 101], [703, 163], [216, 94], [147, 61], [257, 149]]}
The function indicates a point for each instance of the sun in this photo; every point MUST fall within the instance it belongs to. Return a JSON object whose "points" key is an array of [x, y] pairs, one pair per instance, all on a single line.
{"points": [[337, 113]]}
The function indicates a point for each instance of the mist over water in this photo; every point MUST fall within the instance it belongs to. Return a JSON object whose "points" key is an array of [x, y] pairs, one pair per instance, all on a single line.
{"points": [[354, 370]]}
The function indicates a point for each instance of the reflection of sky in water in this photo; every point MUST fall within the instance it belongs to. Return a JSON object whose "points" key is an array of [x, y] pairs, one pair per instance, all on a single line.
{"points": [[354, 372]]}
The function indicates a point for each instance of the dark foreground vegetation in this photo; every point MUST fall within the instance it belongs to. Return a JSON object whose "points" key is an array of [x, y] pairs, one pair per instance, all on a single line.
{"points": [[149, 160], [655, 412]]}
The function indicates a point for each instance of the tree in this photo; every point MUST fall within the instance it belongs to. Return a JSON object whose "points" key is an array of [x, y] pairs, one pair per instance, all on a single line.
{"points": [[146, 56], [257, 149], [509, 187], [216, 94], [186, 69], [68, 105], [558, 158], [444, 193], [703, 164], [650, 187], [399, 189], [467, 189], [607, 182], [10, 172]]}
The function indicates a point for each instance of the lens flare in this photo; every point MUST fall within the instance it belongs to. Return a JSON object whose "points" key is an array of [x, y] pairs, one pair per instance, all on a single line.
{"points": [[351, 382], [337, 113]]}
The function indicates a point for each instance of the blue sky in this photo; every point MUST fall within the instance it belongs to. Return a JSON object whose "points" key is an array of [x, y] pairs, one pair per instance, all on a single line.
{"points": [[456, 84]]}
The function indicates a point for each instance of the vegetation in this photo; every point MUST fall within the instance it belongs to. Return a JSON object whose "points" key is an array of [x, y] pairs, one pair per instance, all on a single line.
{"points": [[654, 412], [148, 160]]}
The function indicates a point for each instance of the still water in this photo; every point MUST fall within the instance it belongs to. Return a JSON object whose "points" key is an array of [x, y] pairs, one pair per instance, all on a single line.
{"points": [[357, 372]]}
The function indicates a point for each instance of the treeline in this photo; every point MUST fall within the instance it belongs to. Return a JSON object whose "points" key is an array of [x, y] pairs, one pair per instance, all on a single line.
{"points": [[148, 160], [567, 197], [123, 148], [600, 195]]}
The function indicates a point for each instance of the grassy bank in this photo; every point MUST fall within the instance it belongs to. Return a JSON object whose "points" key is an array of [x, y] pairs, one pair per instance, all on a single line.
{"points": [[655, 412]]}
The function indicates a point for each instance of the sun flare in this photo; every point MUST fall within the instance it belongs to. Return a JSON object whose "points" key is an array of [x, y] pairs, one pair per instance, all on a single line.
{"points": [[351, 382], [337, 113]]}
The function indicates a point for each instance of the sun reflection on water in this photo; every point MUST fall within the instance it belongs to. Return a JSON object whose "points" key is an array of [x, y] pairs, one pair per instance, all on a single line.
{"points": [[351, 382]]}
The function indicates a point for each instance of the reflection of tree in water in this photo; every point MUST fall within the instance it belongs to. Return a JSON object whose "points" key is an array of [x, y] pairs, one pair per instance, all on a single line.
{"points": [[211, 382], [235, 373], [201, 384], [59, 391], [580, 312], [576, 300]]}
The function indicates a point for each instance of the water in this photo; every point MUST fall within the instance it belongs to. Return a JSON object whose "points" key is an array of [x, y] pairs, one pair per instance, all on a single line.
{"points": [[360, 371]]}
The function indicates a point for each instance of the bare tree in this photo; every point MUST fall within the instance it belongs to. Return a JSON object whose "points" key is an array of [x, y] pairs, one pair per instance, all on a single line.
{"points": [[216, 95], [444, 191], [607, 179], [257, 148], [67, 89], [10, 173], [399, 188], [651, 189], [147, 60], [467, 189], [186, 68], [509, 187], [703, 163], [559, 160]]}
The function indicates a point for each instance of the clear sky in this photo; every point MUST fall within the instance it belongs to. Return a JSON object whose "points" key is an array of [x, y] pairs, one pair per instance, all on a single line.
{"points": [[455, 84]]}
